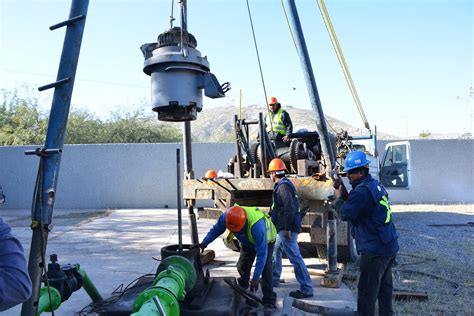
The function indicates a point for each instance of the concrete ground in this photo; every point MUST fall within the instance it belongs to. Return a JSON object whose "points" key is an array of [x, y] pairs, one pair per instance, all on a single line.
{"points": [[117, 246]]}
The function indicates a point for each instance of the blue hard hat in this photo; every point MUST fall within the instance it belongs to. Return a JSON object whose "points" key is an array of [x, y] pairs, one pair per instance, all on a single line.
{"points": [[356, 159]]}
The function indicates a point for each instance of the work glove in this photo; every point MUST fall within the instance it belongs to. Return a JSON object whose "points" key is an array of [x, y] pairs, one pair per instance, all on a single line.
{"points": [[287, 234], [201, 246], [337, 183], [254, 285]]}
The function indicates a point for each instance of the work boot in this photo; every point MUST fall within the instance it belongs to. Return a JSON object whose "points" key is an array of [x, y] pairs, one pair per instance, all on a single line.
{"points": [[269, 309], [300, 295], [242, 283]]}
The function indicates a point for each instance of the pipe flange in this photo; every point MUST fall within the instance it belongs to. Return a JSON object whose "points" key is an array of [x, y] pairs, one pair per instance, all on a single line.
{"points": [[167, 299], [185, 267]]}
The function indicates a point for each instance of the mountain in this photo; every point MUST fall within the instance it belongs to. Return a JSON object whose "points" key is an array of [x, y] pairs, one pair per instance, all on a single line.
{"points": [[217, 124]]}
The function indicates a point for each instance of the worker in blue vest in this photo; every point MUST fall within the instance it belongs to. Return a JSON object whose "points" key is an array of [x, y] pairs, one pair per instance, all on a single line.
{"points": [[256, 233], [15, 283], [285, 213], [368, 209], [279, 123]]}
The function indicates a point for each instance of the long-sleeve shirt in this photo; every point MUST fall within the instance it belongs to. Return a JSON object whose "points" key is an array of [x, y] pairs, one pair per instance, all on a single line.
{"points": [[259, 234], [15, 284], [285, 207], [361, 210]]}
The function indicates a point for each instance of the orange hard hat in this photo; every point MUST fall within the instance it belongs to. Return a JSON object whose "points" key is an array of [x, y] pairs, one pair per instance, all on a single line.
{"points": [[211, 174], [276, 165], [272, 100], [235, 218]]}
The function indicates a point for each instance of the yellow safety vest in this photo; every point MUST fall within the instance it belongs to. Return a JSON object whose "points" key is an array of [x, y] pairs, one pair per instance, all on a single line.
{"points": [[254, 214], [277, 122]]}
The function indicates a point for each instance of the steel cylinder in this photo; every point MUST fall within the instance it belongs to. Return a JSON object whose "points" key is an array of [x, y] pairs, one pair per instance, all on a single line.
{"points": [[175, 277], [177, 80]]}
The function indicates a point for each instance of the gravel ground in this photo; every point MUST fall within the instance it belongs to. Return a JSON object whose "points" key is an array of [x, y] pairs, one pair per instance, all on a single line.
{"points": [[435, 260]]}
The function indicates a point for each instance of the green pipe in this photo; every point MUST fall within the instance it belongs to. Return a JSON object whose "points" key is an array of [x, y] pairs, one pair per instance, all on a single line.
{"points": [[176, 276], [44, 302], [89, 286]]}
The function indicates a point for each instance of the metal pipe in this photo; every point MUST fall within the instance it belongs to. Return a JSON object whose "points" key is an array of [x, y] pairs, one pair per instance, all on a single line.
{"points": [[311, 85], [184, 15], [332, 242], [238, 141], [263, 149], [189, 174], [176, 279], [187, 154], [89, 286], [178, 183], [49, 165]]}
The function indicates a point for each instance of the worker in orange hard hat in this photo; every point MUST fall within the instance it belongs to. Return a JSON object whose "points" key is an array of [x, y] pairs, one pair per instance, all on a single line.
{"points": [[210, 174], [279, 122], [285, 213], [256, 233]]}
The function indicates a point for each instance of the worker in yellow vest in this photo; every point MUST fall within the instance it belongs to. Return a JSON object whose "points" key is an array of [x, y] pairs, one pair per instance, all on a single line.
{"points": [[279, 123], [257, 234]]}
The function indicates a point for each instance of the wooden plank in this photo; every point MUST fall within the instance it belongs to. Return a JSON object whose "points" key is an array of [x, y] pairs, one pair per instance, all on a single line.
{"points": [[408, 296], [207, 256]]}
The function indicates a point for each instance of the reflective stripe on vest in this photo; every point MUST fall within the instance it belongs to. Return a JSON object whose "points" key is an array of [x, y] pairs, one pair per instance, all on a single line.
{"points": [[384, 202], [277, 122], [253, 216]]}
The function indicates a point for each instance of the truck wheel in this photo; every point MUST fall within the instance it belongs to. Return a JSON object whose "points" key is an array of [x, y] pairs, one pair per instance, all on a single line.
{"points": [[233, 244], [344, 253]]}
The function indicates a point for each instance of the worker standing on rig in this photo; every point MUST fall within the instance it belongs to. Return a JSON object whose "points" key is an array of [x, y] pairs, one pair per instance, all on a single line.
{"points": [[257, 234], [285, 213], [368, 209], [279, 122]]}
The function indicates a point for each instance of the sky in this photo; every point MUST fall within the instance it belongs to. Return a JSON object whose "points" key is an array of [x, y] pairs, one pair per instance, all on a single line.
{"points": [[411, 61]]}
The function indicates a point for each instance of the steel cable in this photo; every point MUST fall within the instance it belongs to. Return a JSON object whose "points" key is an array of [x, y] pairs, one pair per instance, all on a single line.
{"points": [[342, 60], [259, 64]]}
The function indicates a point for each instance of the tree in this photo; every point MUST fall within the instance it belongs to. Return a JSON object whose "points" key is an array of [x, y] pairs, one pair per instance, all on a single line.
{"points": [[22, 123], [425, 134]]}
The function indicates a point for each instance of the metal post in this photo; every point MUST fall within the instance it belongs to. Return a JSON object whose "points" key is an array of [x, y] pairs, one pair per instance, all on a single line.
{"points": [[48, 172], [89, 286], [263, 145], [189, 174], [332, 242], [311, 84], [178, 183], [238, 141]]}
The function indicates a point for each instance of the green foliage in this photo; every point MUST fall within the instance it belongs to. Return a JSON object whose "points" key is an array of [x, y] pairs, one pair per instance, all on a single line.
{"points": [[22, 123], [425, 134]]}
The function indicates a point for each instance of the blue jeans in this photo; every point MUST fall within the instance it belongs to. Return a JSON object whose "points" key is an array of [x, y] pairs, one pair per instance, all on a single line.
{"points": [[293, 252]]}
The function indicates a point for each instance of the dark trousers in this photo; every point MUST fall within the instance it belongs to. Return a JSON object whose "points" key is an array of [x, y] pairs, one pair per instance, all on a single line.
{"points": [[375, 282], [244, 267]]}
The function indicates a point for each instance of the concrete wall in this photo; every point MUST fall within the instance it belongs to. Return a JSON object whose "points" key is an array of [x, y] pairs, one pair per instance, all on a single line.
{"points": [[144, 175], [109, 175]]}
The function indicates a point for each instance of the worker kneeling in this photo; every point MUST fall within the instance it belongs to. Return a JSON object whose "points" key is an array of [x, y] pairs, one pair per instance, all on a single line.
{"points": [[257, 235]]}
